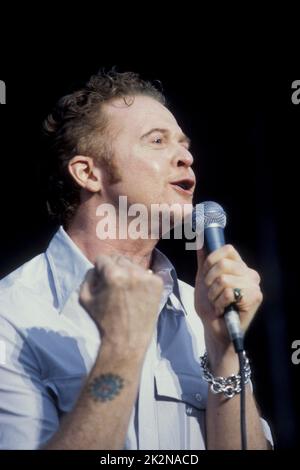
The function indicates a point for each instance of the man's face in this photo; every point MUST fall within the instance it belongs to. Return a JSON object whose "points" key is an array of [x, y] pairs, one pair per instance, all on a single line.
{"points": [[150, 152]]}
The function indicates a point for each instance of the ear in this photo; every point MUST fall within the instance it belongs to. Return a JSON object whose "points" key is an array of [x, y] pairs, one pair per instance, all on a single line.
{"points": [[86, 173]]}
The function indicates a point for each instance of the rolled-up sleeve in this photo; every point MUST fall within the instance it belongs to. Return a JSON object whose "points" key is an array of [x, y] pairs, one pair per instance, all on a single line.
{"points": [[28, 415]]}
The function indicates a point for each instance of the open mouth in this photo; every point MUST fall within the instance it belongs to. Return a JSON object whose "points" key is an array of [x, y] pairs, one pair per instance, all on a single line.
{"points": [[185, 185]]}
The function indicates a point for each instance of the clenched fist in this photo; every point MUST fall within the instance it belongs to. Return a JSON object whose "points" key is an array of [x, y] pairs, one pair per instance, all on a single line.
{"points": [[123, 299]]}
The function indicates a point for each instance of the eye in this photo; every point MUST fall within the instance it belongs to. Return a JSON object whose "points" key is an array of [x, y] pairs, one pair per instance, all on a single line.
{"points": [[186, 145], [157, 140]]}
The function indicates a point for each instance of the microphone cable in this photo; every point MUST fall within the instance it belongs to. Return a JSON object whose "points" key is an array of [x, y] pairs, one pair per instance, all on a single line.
{"points": [[243, 424]]}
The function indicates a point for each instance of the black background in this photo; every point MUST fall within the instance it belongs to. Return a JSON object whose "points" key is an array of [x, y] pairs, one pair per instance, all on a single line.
{"points": [[246, 142]]}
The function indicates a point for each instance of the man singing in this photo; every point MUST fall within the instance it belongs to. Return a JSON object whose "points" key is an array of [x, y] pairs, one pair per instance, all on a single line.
{"points": [[103, 342]]}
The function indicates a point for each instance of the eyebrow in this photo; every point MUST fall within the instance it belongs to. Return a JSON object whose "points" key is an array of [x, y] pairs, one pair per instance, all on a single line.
{"points": [[183, 137]]}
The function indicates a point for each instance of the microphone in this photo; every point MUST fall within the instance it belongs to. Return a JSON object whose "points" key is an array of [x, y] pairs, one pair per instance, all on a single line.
{"points": [[214, 224]]}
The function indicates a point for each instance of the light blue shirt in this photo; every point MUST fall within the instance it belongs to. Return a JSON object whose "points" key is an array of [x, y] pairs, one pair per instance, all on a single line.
{"points": [[48, 345]]}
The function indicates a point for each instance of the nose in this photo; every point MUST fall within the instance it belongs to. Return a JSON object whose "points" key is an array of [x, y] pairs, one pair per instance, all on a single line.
{"points": [[184, 158]]}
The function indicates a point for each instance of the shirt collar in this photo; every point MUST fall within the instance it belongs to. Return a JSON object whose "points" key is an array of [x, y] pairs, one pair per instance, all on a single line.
{"points": [[69, 265], [163, 267]]}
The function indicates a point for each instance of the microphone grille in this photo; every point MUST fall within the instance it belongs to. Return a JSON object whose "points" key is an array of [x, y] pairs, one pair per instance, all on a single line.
{"points": [[214, 214]]}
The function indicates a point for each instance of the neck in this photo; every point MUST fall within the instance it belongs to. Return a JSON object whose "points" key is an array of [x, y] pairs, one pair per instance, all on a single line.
{"points": [[82, 230]]}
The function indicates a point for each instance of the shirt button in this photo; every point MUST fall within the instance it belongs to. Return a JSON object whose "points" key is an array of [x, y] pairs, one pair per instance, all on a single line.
{"points": [[198, 397]]}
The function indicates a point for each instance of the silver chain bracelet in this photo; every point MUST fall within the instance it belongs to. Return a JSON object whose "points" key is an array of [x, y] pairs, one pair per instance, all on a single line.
{"points": [[229, 386]]}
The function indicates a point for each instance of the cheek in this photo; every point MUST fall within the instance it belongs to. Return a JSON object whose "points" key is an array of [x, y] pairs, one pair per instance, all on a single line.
{"points": [[140, 182], [148, 173], [150, 167], [143, 176]]}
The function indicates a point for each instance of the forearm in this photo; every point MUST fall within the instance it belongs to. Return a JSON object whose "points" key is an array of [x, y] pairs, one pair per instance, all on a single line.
{"points": [[97, 424], [223, 415]]}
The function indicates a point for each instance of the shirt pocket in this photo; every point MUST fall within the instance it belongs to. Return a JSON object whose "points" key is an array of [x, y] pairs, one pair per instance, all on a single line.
{"points": [[183, 386]]}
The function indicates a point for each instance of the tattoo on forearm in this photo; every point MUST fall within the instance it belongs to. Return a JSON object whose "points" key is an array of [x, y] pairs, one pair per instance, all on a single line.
{"points": [[106, 387]]}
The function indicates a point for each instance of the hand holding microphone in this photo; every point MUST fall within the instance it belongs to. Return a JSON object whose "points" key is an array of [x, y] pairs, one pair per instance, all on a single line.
{"points": [[227, 292]]}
